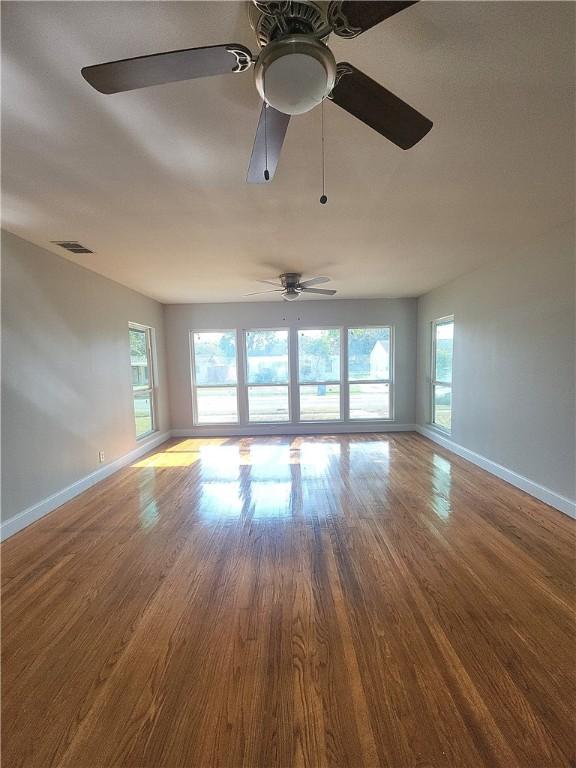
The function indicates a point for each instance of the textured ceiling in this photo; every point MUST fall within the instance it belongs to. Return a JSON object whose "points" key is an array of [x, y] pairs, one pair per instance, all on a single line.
{"points": [[153, 180]]}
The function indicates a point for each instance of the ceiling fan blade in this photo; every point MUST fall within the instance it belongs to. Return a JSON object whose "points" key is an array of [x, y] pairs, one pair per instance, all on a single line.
{"points": [[270, 135], [349, 18], [270, 282], [323, 291], [169, 67], [374, 105], [257, 293], [314, 281]]}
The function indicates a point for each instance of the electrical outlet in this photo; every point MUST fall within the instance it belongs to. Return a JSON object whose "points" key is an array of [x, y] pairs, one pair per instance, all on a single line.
{"points": [[101, 456]]}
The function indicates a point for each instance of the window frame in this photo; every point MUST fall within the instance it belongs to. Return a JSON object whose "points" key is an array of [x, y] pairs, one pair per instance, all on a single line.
{"points": [[389, 380], [196, 387], [445, 320], [248, 386], [151, 389], [300, 384]]}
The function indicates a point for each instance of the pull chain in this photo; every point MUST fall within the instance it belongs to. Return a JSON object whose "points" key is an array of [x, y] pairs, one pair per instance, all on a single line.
{"points": [[266, 171], [323, 198]]}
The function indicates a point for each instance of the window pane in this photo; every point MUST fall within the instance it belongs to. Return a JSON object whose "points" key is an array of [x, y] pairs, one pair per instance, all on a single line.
{"points": [[369, 401], [215, 357], [139, 357], [217, 405], [143, 414], [319, 355], [368, 353], [319, 402], [268, 404], [443, 407], [267, 356], [443, 363]]}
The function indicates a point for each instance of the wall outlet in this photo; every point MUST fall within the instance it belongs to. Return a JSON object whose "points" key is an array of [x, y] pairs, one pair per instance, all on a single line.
{"points": [[101, 457]]}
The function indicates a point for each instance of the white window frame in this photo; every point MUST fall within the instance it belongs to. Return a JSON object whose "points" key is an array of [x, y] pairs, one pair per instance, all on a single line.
{"points": [[151, 389], [343, 353], [389, 380], [436, 382], [248, 385], [196, 387]]}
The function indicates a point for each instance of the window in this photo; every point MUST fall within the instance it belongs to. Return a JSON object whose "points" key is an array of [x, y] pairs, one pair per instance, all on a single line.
{"points": [[141, 363], [369, 372], [441, 380], [267, 375], [319, 374], [215, 377]]}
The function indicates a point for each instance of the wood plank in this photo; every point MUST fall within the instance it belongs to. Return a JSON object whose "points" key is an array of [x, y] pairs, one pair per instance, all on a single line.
{"points": [[351, 600]]}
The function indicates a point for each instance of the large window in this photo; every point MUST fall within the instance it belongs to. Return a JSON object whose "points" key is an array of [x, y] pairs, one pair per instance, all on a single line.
{"points": [[141, 363], [292, 375], [369, 372], [267, 375], [215, 377], [441, 379], [319, 374]]}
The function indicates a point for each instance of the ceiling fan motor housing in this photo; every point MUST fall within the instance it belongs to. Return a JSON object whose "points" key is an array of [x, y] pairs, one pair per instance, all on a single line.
{"points": [[274, 19], [295, 74], [291, 284]]}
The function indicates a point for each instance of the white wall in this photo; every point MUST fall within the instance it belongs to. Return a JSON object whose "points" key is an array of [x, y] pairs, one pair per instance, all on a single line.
{"points": [[514, 348], [181, 318], [66, 391], [66, 382]]}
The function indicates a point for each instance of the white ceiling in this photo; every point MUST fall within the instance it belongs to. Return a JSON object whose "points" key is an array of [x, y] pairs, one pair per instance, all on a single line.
{"points": [[153, 180]]}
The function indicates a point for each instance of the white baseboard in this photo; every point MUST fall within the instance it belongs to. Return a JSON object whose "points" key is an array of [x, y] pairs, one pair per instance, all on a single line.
{"points": [[256, 430], [41, 508], [552, 498], [36, 511]]}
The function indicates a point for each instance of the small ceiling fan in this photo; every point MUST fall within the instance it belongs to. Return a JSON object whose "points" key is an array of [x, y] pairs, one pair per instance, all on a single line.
{"points": [[291, 286], [294, 72]]}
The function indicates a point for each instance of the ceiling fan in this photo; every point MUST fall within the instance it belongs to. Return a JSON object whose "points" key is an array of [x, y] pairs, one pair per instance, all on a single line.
{"points": [[294, 72], [291, 286]]}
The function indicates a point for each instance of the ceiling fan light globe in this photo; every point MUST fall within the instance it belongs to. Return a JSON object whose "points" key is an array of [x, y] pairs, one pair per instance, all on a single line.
{"points": [[295, 74], [295, 83]]}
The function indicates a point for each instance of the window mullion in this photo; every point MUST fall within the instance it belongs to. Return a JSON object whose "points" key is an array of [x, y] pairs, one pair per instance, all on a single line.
{"points": [[242, 378]]}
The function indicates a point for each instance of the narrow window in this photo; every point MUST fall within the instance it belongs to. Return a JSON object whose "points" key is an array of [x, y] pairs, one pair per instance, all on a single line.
{"points": [[319, 374], [214, 365], [441, 380], [370, 373], [267, 375], [143, 388]]}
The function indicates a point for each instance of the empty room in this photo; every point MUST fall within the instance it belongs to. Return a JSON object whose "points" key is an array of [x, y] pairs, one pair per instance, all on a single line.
{"points": [[288, 418]]}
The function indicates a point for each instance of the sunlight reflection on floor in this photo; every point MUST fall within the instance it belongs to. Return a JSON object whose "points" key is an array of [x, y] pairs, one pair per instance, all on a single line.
{"points": [[276, 478]]}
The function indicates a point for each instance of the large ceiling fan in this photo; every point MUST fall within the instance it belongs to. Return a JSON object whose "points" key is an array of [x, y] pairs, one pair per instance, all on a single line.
{"points": [[294, 72], [291, 286]]}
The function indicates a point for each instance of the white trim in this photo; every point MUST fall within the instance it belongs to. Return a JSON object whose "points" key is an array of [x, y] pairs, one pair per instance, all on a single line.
{"points": [[562, 503], [40, 509], [446, 320], [247, 385], [391, 371], [195, 387], [328, 383], [151, 389], [36, 511], [303, 428]]}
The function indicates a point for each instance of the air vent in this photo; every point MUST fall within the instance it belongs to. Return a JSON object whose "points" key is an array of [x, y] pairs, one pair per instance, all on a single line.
{"points": [[72, 245]]}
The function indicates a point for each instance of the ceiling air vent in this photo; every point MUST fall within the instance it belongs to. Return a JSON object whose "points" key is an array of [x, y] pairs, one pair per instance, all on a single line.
{"points": [[72, 245]]}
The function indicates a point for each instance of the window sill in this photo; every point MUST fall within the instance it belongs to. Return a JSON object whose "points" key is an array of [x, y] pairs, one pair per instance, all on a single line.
{"points": [[146, 435], [440, 430]]}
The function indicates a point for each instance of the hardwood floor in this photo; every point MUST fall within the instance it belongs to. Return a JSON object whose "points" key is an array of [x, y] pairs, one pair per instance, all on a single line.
{"points": [[347, 601]]}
